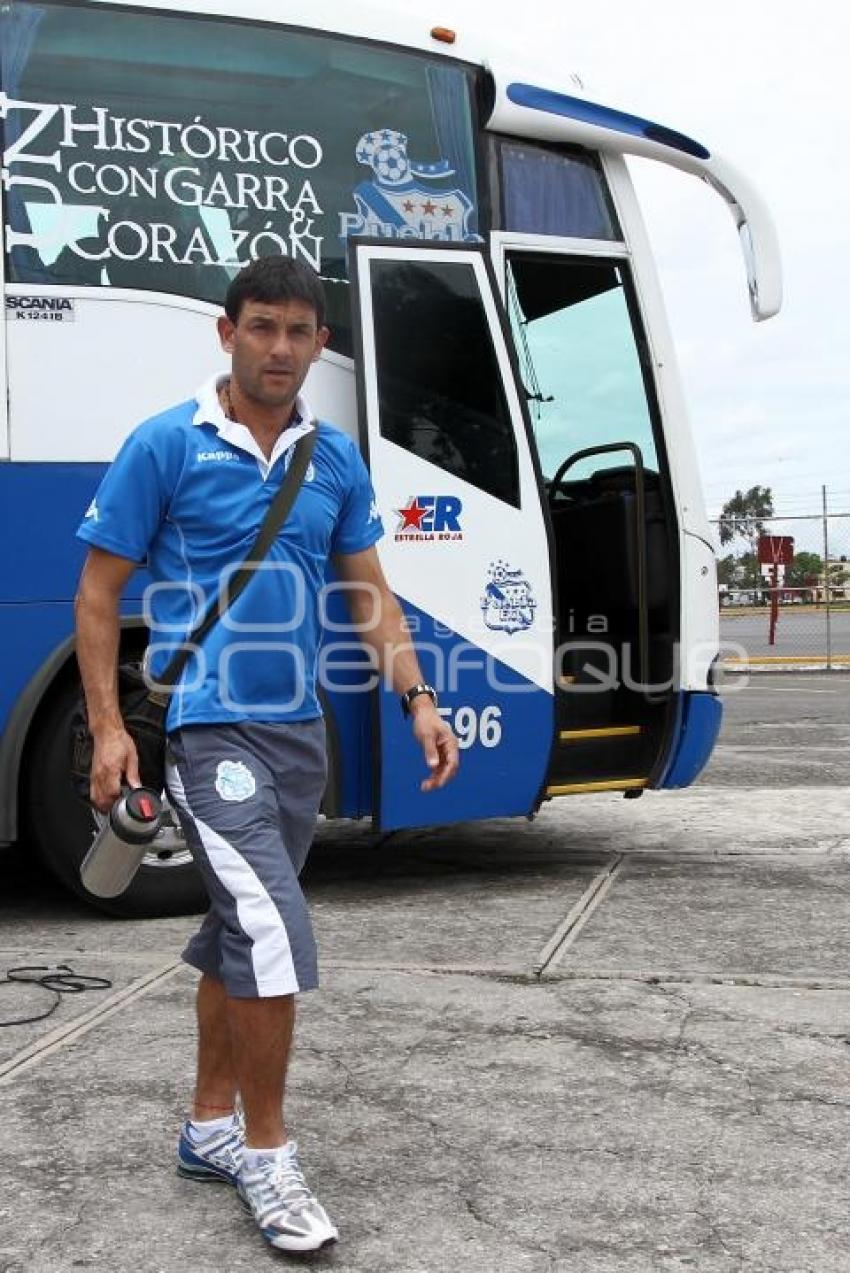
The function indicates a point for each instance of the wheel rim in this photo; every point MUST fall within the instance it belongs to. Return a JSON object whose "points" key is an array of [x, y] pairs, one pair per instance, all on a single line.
{"points": [[169, 849]]}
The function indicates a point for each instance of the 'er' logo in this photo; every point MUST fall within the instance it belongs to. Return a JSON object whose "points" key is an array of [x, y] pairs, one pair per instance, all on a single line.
{"points": [[432, 514]]}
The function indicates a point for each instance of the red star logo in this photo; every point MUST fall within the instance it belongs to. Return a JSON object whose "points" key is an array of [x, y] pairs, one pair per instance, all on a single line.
{"points": [[429, 208], [412, 515], [447, 209], [408, 205]]}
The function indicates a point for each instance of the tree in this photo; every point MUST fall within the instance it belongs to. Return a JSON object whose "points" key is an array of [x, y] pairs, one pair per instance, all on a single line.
{"points": [[726, 572], [838, 574], [743, 516], [749, 572], [803, 569]]}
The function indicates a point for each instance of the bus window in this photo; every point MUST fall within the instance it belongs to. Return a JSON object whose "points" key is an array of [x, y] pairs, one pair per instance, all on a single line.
{"points": [[579, 360], [581, 366], [546, 191], [440, 390], [161, 152]]}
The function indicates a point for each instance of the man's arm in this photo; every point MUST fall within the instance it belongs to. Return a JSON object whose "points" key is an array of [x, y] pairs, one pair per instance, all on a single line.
{"points": [[101, 584], [379, 620]]}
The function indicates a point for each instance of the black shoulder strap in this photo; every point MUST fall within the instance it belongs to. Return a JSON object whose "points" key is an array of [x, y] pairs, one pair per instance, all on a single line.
{"points": [[277, 514]]}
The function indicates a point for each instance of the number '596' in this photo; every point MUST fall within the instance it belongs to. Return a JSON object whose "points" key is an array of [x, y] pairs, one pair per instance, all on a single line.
{"points": [[471, 728]]}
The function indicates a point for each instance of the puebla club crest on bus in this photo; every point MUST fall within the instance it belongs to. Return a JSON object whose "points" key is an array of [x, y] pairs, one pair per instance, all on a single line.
{"points": [[406, 199], [508, 604]]}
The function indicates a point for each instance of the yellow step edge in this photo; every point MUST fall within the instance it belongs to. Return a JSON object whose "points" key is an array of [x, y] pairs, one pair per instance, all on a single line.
{"points": [[606, 731], [785, 658], [608, 784]]}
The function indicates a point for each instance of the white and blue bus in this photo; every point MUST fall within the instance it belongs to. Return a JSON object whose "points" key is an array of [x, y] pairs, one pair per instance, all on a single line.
{"points": [[498, 348]]}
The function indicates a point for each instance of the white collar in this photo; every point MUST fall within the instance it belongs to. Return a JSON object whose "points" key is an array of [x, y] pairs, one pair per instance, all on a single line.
{"points": [[209, 411]]}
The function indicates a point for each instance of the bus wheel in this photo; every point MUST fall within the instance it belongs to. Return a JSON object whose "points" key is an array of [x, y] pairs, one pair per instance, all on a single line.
{"points": [[62, 828]]}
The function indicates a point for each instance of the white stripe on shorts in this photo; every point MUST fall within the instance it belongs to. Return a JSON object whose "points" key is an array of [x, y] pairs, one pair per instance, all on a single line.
{"points": [[271, 955]]}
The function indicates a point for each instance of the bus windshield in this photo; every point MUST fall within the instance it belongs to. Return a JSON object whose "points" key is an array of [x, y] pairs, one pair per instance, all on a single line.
{"points": [[162, 152]]}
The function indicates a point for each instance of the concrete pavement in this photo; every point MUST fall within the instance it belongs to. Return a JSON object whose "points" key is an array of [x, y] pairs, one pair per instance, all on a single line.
{"points": [[615, 1039], [800, 630]]}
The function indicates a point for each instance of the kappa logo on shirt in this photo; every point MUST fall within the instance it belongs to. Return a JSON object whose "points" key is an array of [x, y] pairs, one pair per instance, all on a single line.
{"points": [[203, 456]]}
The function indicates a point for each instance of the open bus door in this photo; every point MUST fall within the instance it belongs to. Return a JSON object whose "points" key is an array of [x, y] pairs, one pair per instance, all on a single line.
{"points": [[587, 372], [466, 550], [4, 395]]}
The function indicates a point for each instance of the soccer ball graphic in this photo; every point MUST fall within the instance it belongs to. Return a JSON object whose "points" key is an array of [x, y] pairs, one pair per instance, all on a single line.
{"points": [[391, 165], [386, 154]]}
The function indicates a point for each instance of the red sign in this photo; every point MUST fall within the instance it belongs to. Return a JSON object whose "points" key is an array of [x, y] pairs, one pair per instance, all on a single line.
{"points": [[776, 550]]}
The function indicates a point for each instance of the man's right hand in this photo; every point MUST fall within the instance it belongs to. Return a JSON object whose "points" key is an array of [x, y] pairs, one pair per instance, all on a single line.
{"points": [[114, 762]]}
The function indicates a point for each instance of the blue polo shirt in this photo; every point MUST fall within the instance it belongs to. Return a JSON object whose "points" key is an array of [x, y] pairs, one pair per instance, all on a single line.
{"points": [[187, 493]]}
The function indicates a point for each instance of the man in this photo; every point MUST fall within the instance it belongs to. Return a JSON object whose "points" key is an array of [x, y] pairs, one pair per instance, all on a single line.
{"points": [[188, 492]]}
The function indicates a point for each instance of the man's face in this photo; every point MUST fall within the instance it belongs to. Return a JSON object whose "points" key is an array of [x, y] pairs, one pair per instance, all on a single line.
{"points": [[272, 347]]}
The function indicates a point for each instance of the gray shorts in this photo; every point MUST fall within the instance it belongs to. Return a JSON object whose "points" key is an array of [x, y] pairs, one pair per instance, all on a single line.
{"points": [[247, 796]]}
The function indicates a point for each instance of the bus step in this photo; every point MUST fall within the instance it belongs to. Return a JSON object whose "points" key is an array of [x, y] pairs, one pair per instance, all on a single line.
{"points": [[604, 784], [604, 731], [598, 751]]}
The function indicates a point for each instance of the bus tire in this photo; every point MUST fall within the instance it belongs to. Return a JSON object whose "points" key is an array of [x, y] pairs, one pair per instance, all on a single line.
{"points": [[61, 827]]}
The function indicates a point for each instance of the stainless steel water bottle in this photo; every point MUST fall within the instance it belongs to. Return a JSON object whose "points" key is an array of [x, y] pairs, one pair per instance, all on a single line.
{"points": [[120, 844]]}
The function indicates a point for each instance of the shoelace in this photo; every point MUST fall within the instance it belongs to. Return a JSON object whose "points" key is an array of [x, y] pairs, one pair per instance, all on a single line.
{"points": [[284, 1181]]}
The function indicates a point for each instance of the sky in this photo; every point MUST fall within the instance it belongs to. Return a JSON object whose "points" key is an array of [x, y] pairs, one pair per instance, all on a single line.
{"points": [[761, 82]]}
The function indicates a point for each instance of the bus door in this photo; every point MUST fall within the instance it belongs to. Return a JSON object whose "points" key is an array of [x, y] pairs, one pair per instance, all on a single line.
{"points": [[466, 547], [587, 377], [4, 395]]}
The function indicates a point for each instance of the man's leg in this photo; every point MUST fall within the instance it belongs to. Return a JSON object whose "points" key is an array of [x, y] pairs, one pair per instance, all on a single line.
{"points": [[211, 1142], [216, 1085], [225, 784], [261, 1037], [257, 1072]]}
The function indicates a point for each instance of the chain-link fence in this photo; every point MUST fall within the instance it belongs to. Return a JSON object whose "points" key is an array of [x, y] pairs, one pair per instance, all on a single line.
{"points": [[796, 613]]}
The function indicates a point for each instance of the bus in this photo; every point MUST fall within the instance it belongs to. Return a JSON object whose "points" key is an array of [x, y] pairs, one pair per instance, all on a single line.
{"points": [[498, 349]]}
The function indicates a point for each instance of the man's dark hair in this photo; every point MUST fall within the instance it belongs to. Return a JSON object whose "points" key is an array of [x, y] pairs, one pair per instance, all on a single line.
{"points": [[274, 279]]}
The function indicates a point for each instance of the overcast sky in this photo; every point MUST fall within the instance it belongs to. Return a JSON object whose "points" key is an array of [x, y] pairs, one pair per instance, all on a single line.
{"points": [[764, 82]]}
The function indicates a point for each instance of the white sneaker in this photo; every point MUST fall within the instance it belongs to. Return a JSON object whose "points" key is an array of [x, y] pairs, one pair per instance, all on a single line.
{"points": [[216, 1157], [289, 1215]]}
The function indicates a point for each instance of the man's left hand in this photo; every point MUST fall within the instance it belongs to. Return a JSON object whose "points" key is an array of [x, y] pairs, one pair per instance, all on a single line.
{"points": [[437, 741]]}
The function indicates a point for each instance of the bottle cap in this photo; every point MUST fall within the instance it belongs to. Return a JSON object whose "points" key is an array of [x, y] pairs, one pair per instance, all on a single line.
{"points": [[143, 805]]}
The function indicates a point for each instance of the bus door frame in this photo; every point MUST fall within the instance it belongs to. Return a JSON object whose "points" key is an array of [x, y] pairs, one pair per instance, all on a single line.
{"points": [[5, 440], [494, 791], [504, 241]]}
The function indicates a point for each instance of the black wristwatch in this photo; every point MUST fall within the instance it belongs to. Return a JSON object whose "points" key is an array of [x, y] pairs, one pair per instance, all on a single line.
{"points": [[409, 695]]}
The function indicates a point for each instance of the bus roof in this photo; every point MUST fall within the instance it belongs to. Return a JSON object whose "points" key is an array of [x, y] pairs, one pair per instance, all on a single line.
{"points": [[368, 21]]}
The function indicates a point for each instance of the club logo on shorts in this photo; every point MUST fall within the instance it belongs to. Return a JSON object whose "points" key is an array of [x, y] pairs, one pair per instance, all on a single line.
{"points": [[234, 780]]}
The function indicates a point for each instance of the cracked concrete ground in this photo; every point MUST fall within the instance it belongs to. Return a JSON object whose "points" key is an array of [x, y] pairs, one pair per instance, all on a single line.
{"points": [[669, 1093]]}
